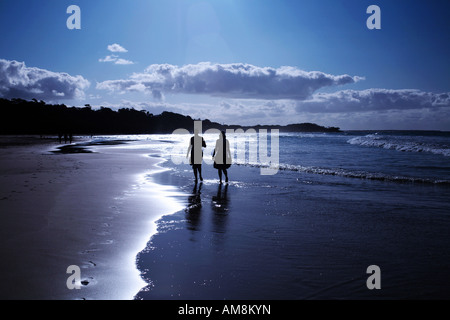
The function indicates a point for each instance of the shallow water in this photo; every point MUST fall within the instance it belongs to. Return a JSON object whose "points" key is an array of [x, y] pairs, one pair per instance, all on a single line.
{"points": [[306, 234]]}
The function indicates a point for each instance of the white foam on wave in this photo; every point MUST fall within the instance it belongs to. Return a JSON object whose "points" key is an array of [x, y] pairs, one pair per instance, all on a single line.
{"points": [[352, 174], [404, 144]]}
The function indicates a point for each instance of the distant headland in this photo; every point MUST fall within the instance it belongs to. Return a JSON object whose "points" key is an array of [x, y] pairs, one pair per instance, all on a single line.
{"points": [[18, 116]]}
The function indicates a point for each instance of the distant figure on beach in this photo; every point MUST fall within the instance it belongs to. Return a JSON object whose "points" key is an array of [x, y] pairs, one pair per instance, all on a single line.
{"points": [[196, 154], [222, 156]]}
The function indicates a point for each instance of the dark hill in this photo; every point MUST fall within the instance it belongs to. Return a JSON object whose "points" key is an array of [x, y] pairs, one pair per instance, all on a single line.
{"points": [[19, 116]]}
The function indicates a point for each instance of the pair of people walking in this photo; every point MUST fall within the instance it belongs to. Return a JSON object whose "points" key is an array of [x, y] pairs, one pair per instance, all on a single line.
{"points": [[221, 155]]}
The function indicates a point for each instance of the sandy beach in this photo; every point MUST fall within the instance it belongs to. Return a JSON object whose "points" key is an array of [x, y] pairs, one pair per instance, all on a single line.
{"points": [[140, 228], [58, 210]]}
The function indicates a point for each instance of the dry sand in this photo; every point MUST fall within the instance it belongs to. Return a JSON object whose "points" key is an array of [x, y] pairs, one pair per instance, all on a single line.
{"points": [[92, 210]]}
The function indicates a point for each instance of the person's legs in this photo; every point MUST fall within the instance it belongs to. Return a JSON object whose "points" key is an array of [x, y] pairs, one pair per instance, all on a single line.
{"points": [[220, 175], [200, 172], [195, 172], [226, 174]]}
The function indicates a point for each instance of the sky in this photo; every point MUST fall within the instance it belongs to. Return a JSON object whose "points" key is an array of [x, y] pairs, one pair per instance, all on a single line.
{"points": [[243, 62]]}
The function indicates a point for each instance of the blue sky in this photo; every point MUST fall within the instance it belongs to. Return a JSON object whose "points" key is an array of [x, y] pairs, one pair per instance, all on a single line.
{"points": [[228, 58]]}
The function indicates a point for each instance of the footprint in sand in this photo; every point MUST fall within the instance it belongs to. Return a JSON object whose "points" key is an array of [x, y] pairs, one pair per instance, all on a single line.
{"points": [[87, 281], [89, 251]]}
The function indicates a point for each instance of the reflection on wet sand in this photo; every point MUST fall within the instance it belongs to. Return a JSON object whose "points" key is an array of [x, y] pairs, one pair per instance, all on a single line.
{"points": [[194, 208], [220, 204], [219, 209]]}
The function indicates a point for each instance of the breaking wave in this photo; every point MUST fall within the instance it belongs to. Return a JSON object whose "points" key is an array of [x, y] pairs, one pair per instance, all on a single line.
{"points": [[399, 143], [352, 174]]}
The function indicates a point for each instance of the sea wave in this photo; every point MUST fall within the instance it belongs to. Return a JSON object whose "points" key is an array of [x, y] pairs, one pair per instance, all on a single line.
{"points": [[352, 174], [404, 144]]}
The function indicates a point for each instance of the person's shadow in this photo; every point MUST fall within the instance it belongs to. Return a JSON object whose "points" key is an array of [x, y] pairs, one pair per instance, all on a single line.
{"points": [[220, 206], [194, 209]]}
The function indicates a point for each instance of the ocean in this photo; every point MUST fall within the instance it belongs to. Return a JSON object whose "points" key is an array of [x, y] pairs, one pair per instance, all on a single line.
{"points": [[337, 204]]}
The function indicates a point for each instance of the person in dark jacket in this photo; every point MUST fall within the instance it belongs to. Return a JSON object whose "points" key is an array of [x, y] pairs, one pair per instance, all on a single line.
{"points": [[222, 156], [195, 154]]}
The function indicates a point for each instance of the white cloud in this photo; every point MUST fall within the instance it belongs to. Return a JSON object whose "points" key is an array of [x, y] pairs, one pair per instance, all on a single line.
{"points": [[116, 48], [373, 100], [114, 57], [111, 58], [19, 81], [116, 60], [249, 95], [157, 95], [412, 119], [230, 80], [123, 61], [283, 112]]}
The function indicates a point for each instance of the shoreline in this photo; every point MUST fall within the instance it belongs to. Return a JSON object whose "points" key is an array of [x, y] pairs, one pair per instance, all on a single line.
{"points": [[92, 210], [298, 236], [140, 228]]}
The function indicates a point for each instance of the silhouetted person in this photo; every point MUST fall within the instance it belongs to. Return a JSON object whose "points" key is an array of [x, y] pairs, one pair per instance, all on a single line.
{"points": [[70, 138], [60, 137], [222, 156], [196, 154]]}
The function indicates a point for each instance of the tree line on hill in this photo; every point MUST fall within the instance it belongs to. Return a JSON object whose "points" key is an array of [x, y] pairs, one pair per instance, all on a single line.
{"points": [[18, 116]]}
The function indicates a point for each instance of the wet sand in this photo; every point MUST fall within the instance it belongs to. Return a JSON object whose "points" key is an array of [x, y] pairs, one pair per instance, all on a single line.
{"points": [[84, 209], [279, 238]]}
